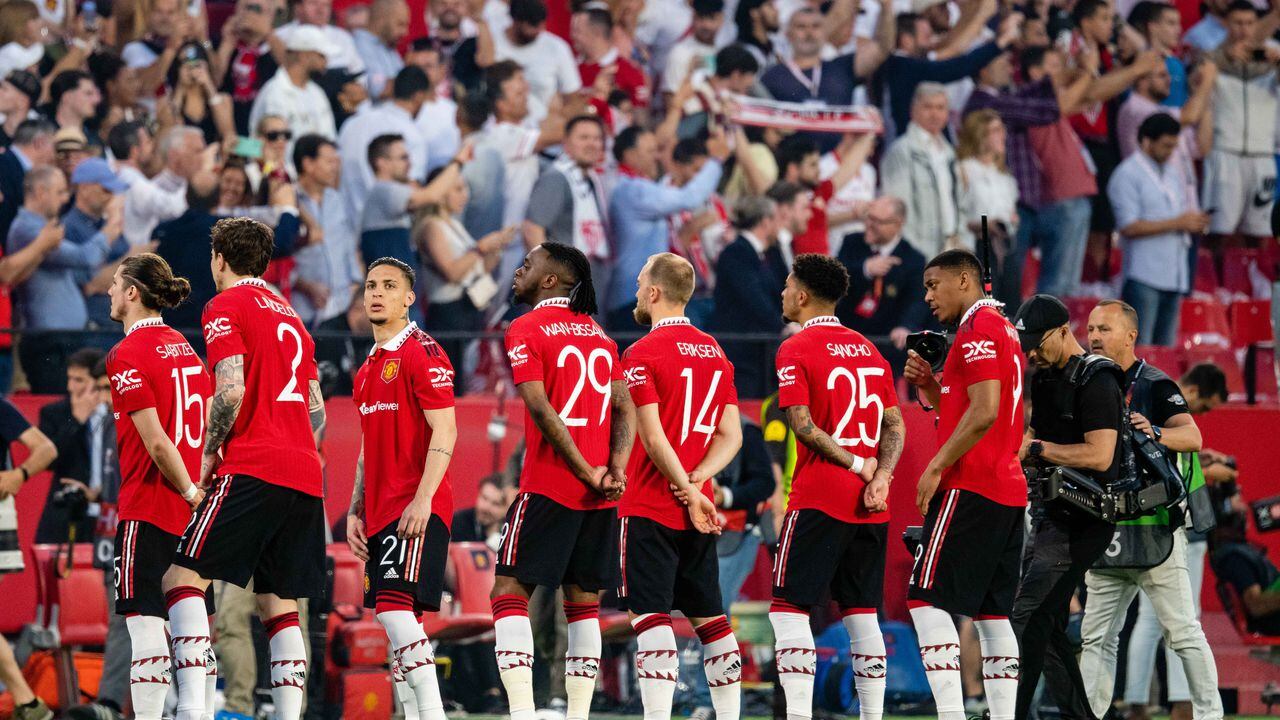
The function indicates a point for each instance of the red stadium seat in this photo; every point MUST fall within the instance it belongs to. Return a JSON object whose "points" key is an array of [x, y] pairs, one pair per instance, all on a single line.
{"points": [[348, 576], [1168, 359], [75, 598], [1250, 322], [1206, 280], [466, 613], [1079, 308], [1236, 266], [1226, 360], [1030, 273], [1204, 323], [1266, 390], [1234, 607]]}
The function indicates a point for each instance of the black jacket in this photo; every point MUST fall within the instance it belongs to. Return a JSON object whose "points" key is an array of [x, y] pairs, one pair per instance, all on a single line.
{"points": [[71, 437], [748, 478], [901, 302], [748, 299]]}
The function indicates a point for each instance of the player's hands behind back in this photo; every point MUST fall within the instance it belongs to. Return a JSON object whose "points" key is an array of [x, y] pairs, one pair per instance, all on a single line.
{"points": [[703, 514], [876, 494]]}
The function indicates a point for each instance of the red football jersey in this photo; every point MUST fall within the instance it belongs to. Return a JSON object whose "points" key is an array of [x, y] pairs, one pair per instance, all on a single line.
{"points": [[397, 382], [577, 363], [272, 439], [847, 386], [155, 367], [985, 348], [814, 239], [685, 372]]}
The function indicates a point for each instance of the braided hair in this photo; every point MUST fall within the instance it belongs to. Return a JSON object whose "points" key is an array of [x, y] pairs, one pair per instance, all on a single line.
{"points": [[582, 294]]}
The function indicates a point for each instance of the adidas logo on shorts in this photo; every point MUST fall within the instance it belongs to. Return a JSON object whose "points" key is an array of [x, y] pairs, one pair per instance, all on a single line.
{"points": [[391, 574]]}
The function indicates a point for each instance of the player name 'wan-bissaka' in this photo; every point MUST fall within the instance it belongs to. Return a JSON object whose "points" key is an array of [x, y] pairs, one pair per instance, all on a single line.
{"points": [[571, 328]]}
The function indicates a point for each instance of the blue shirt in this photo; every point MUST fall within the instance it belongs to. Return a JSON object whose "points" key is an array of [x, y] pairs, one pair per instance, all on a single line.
{"points": [[80, 229], [638, 212], [381, 63], [1206, 35], [51, 298], [331, 263], [1141, 190], [1179, 89]]}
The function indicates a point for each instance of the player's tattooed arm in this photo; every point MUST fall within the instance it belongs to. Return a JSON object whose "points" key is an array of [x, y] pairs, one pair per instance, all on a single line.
{"points": [[356, 538], [622, 432], [357, 492], [893, 436], [228, 395], [552, 427], [815, 438], [315, 408]]}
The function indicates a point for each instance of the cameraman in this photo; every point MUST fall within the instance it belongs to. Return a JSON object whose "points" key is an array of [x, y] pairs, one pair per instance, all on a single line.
{"points": [[1149, 554], [1077, 414]]}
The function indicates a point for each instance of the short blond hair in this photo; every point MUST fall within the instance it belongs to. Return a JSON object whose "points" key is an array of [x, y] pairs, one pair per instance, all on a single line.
{"points": [[674, 275]]}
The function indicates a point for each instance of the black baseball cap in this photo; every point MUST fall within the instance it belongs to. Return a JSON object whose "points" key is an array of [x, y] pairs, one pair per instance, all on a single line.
{"points": [[1038, 316]]}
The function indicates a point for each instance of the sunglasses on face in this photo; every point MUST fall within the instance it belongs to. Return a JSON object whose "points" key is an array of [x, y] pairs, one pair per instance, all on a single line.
{"points": [[278, 135]]}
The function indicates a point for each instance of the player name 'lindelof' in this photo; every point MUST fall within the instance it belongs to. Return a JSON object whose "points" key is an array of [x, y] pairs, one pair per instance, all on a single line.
{"points": [[570, 328], [848, 350], [698, 350], [269, 304]]}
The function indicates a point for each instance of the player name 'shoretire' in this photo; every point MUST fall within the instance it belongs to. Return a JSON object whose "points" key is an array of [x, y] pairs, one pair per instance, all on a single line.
{"points": [[699, 350], [849, 350], [575, 329]]}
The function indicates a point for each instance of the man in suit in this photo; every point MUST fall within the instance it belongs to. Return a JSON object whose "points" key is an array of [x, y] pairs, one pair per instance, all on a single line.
{"points": [[886, 281], [748, 296], [32, 146], [68, 423]]}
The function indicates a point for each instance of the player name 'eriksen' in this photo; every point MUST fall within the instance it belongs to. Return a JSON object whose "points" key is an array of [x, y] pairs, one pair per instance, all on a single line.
{"points": [[698, 350], [570, 328], [849, 350]]}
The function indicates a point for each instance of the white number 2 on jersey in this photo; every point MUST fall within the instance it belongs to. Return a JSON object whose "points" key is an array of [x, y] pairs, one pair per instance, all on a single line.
{"points": [[182, 400], [586, 372], [858, 397], [290, 392], [702, 424]]}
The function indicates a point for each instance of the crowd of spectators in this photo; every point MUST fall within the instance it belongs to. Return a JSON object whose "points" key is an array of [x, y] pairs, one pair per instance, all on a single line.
{"points": [[1106, 142]]}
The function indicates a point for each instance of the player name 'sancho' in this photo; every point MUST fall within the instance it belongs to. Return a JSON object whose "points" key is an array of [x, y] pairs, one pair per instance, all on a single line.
{"points": [[571, 328], [848, 350]]}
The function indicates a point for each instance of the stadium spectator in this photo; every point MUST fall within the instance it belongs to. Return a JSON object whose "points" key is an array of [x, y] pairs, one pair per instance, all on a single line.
{"points": [[697, 50], [97, 216], [121, 101], [167, 27], [19, 92], [32, 147], [65, 422], [388, 25], [70, 149], [275, 159], [334, 42], [758, 23], [732, 71], [1247, 569], [246, 58], [518, 144], [546, 59], [807, 78], [886, 281], [327, 271], [438, 118], [74, 100], [291, 94], [986, 187], [794, 203], [919, 169], [1161, 27], [640, 208], [567, 204], [483, 521], [1240, 171], [800, 162], [602, 69], [458, 282], [698, 235], [385, 222], [1150, 96], [951, 60], [410, 89], [146, 203], [848, 205], [748, 297], [1156, 219], [194, 100]]}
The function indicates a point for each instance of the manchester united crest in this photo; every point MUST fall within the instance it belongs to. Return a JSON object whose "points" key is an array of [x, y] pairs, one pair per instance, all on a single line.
{"points": [[390, 369]]}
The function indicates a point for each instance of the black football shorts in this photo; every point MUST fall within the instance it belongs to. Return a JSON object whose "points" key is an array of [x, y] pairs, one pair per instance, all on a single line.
{"points": [[144, 553], [546, 543], [412, 566], [969, 556], [665, 569], [818, 554], [248, 529]]}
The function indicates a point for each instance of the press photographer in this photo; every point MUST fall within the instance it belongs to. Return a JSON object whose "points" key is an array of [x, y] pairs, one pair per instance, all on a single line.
{"points": [[1150, 553], [1077, 415]]}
